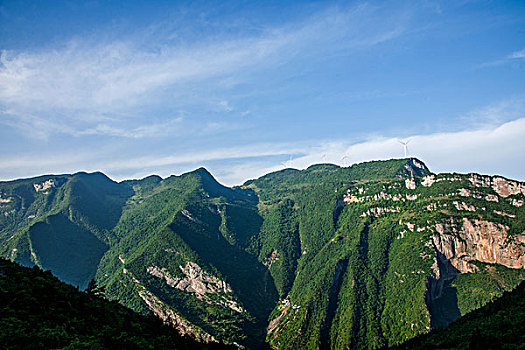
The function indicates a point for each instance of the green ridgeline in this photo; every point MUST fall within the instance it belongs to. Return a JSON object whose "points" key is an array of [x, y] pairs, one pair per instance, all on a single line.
{"points": [[37, 311], [305, 270]]}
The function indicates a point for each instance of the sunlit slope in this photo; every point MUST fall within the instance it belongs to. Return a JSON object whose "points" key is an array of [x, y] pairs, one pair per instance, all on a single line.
{"points": [[188, 246], [382, 251], [328, 257]]}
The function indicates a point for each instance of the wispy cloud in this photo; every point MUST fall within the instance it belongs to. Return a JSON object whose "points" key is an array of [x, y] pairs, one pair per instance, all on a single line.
{"points": [[169, 127], [494, 149], [513, 57], [98, 86], [517, 55], [495, 113], [226, 106]]}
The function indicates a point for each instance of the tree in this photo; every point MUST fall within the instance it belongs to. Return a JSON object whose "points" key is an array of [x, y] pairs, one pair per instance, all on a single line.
{"points": [[95, 290]]}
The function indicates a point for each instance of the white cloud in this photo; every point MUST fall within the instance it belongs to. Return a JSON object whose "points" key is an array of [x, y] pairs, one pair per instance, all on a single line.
{"points": [[149, 130], [517, 55], [95, 86], [489, 150], [226, 106], [496, 149]]}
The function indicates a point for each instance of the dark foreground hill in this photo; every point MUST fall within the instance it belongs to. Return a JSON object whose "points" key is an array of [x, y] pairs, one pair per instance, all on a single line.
{"points": [[498, 325], [37, 311], [365, 256]]}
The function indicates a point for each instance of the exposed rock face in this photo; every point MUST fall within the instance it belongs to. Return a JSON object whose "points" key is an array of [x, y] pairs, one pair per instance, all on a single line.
{"points": [[418, 164], [464, 206], [480, 240], [378, 211], [501, 186], [200, 283], [502, 213], [492, 198], [464, 192], [415, 167], [410, 184], [428, 180], [44, 185], [273, 258], [168, 316], [505, 187], [188, 215], [350, 198]]}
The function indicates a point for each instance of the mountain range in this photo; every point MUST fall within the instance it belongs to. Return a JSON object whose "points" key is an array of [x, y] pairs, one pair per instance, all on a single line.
{"points": [[329, 257]]}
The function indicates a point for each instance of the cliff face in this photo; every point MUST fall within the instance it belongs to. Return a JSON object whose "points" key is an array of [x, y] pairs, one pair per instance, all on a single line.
{"points": [[501, 186], [199, 283], [481, 240], [484, 228], [364, 256], [166, 314]]}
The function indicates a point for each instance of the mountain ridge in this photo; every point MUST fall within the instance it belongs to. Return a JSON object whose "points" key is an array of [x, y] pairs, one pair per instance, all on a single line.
{"points": [[296, 250]]}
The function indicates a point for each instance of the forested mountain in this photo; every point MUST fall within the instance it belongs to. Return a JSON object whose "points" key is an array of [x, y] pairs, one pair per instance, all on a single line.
{"points": [[37, 311], [328, 257], [498, 325]]}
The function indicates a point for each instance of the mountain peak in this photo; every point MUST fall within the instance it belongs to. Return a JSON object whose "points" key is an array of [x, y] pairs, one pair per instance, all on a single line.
{"points": [[203, 172], [415, 167]]}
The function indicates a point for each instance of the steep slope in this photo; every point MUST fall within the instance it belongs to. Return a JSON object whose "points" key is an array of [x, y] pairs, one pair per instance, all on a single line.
{"points": [[328, 257], [498, 325], [186, 254], [387, 250], [78, 320], [62, 223]]}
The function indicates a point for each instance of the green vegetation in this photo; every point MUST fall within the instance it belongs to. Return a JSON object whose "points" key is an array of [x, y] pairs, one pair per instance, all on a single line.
{"points": [[476, 289], [498, 325], [330, 257], [37, 311]]}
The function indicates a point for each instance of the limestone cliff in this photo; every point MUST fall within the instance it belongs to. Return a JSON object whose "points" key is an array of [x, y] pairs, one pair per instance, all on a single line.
{"points": [[199, 283], [479, 240]]}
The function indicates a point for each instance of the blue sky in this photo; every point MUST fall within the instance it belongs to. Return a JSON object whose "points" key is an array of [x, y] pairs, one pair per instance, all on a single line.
{"points": [[243, 88]]}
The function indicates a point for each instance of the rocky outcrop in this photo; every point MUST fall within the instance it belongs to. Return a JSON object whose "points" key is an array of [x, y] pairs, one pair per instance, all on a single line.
{"points": [[463, 206], [350, 198], [378, 211], [170, 317], [273, 258], [6, 200], [41, 187], [479, 240], [501, 186], [429, 180], [188, 215], [415, 167], [200, 283], [410, 184]]}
